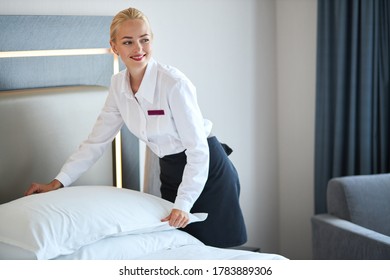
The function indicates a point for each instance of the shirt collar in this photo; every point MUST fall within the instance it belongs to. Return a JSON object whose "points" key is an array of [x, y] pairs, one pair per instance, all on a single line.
{"points": [[148, 84]]}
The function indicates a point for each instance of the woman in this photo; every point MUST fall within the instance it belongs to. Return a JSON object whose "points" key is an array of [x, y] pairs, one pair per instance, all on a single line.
{"points": [[158, 104]]}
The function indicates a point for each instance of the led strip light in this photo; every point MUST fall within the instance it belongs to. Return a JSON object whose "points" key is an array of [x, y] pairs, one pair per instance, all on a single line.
{"points": [[74, 52], [64, 52]]}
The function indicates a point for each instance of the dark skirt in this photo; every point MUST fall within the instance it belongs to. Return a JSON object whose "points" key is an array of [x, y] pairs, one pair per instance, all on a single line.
{"points": [[224, 226]]}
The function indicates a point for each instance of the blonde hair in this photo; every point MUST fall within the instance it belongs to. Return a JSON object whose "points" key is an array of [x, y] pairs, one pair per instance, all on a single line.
{"points": [[122, 16]]}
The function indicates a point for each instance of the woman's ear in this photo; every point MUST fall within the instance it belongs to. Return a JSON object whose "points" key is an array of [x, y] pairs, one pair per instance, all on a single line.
{"points": [[113, 47]]}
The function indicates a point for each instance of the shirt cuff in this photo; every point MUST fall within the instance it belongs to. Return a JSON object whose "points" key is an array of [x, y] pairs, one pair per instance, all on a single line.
{"points": [[64, 179], [182, 205]]}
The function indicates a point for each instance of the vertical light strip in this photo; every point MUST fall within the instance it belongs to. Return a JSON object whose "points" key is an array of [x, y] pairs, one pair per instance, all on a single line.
{"points": [[142, 165], [118, 141]]}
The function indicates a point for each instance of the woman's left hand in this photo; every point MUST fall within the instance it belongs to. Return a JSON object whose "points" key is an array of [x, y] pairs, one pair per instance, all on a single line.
{"points": [[177, 218]]}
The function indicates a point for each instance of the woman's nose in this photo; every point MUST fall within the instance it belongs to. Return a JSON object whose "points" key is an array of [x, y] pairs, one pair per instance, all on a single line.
{"points": [[137, 47]]}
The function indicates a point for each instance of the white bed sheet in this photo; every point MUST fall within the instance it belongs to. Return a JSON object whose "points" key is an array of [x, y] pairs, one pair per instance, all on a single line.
{"points": [[166, 245], [202, 252]]}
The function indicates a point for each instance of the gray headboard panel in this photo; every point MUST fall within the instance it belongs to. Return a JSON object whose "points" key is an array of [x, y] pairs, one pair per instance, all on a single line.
{"points": [[24, 33], [32, 33]]}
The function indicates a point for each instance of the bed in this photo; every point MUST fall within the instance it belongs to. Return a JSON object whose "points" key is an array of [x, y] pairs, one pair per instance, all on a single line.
{"points": [[101, 223], [105, 215]]}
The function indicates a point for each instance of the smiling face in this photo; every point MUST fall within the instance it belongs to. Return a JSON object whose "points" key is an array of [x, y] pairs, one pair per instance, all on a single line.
{"points": [[133, 44]]}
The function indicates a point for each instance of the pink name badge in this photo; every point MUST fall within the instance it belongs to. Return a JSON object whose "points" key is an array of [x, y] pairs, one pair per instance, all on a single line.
{"points": [[156, 112]]}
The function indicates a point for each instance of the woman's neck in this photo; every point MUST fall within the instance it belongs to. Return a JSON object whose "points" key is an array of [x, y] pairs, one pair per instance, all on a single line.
{"points": [[135, 78]]}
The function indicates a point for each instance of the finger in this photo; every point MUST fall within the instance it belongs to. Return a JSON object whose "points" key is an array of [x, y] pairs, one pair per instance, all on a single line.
{"points": [[167, 218], [174, 220], [178, 218], [31, 190], [179, 224], [180, 221], [185, 223]]}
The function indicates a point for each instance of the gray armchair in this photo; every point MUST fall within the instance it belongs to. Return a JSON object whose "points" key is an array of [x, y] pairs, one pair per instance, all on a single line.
{"points": [[357, 225]]}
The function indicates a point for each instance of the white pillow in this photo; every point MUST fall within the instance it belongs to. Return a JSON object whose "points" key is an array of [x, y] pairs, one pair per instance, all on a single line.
{"points": [[60, 222], [133, 246]]}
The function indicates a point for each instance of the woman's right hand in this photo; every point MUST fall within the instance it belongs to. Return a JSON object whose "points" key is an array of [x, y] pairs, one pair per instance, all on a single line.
{"points": [[40, 188]]}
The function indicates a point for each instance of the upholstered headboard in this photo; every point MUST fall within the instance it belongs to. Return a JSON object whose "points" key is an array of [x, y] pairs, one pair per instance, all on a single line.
{"points": [[54, 76], [40, 128]]}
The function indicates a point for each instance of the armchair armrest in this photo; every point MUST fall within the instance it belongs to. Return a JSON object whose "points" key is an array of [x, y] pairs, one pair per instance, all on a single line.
{"points": [[334, 238]]}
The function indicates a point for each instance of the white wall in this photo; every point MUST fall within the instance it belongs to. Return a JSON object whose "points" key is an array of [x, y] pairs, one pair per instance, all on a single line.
{"points": [[296, 44], [252, 62]]}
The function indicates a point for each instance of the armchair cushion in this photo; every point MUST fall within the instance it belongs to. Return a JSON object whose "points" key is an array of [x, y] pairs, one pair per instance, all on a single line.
{"points": [[335, 239]]}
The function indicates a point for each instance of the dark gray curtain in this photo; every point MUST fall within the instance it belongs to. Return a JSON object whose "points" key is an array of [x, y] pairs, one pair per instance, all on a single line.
{"points": [[352, 91]]}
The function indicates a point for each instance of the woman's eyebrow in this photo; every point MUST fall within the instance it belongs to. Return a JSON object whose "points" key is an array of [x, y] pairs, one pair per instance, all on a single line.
{"points": [[129, 37]]}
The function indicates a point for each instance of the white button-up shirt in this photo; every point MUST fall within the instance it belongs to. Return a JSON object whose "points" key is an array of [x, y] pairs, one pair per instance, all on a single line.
{"points": [[164, 113]]}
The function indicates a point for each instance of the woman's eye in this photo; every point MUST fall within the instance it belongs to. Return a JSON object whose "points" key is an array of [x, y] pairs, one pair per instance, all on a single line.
{"points": [[127, 43], [146, 40]]}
